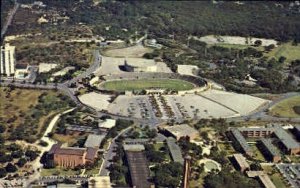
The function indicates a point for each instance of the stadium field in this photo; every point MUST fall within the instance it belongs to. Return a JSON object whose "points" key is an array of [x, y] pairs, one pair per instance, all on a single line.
{"points": [[130, 85]]}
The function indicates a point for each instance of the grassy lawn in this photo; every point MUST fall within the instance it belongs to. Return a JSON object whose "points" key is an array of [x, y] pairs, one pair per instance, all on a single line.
{"points": [[68, 138], [123, 85], [59, 171], [287, 50], [275, 176], [257, 154], [285, 108]]}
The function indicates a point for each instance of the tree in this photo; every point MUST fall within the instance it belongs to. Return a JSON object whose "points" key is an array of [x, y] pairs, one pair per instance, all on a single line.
{"points": [[32, 155], [11, 168], [2, 128], [17, 154], [2, 172], [21, 162], [151, 133], [281, 59], [258, 43]]}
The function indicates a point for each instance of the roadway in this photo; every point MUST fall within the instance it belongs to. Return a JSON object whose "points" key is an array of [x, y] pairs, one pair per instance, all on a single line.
{"points": [[9, 19]]}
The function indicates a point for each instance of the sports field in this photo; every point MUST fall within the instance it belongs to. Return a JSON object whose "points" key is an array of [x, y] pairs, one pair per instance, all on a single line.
{"points": [[287, 108], [129, 85]]}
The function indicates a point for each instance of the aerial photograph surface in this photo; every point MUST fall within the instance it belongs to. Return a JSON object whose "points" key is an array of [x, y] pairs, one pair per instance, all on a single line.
{"points": [[149, 94]]}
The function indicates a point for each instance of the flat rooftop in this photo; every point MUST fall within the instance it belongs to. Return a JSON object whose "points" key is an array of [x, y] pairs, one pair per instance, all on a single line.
{"points": [[241, 160], [266, 181], [94, 140], [267, 143], [175, 151], [181, 130]]}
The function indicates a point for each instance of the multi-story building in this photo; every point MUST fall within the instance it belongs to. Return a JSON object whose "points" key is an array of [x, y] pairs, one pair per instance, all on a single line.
{"points": [[71, 156], [7, 64], [239, 142], [260, 132], [269, 150], [287, 142]]}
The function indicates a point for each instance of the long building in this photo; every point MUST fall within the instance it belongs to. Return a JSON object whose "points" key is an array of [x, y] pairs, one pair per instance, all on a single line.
{"points": [[7, 64], [241, 162], [269, 150], [138, 166], [240, 142], [287, 143], [175, 151]]}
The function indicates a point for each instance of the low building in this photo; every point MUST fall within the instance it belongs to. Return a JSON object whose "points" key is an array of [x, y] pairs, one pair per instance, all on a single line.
{"points": [[79, 129], [181, 131], [175, 151], [266, 181], [239, 142], [107, 124], [287, 143], [100, 182], [71, 156], [46, 67], [93, 141], [241, 162], [269, 150]]}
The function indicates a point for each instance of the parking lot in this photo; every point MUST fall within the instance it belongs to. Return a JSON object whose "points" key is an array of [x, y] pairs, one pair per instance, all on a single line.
{"points": [[291, 173]]}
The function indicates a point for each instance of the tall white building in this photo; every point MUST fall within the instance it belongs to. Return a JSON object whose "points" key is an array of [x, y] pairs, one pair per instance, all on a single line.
{"points": [[7, 65]]}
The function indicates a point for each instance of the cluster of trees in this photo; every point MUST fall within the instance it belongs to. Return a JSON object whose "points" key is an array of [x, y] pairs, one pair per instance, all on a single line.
{"points": [[119, 172], [14, 152], [168, 174], [180, 19], [226, 178], [155, 156]]}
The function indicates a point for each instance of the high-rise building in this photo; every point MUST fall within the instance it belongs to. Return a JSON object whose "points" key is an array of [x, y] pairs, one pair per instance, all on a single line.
{"points": [[7, 65]]}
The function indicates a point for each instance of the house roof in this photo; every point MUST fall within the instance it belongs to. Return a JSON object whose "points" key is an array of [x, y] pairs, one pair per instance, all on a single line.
{"points": [[181, 130]]}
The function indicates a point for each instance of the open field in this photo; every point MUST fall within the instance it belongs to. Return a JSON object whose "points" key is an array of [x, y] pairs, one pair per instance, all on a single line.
{"points": [[133, 51], [287, 50], [285, 108], [25, 112], [125, 85]]}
